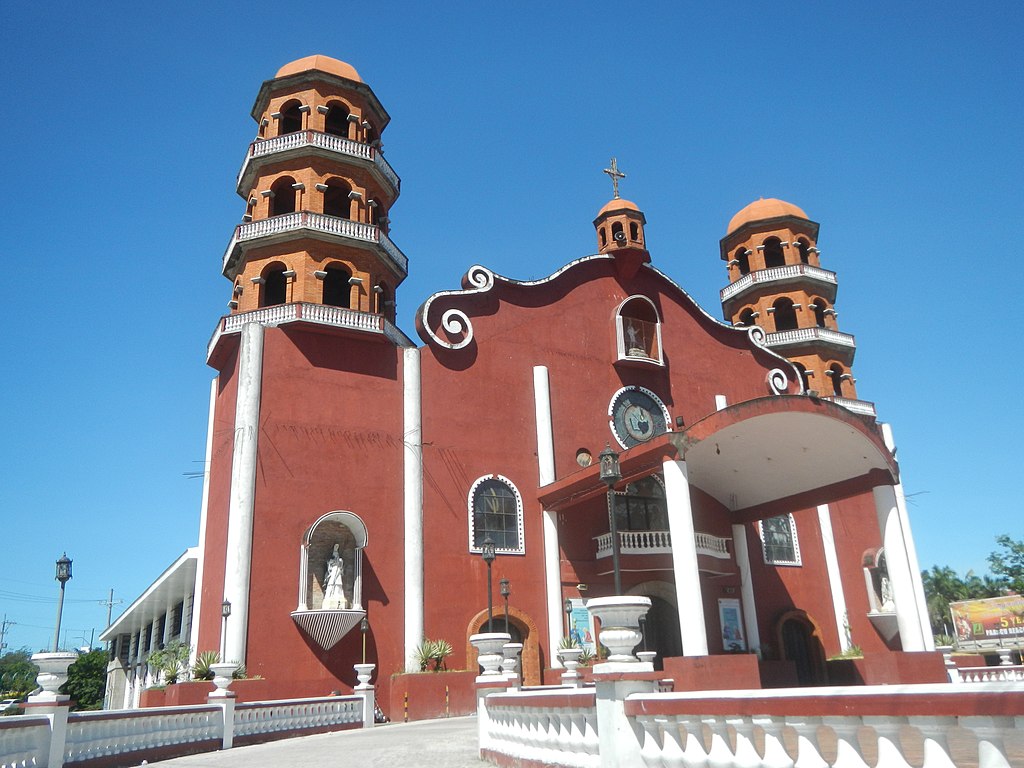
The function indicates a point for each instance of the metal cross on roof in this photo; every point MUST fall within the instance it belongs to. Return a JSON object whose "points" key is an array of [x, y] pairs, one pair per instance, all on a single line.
{"points": [[616, 174]]}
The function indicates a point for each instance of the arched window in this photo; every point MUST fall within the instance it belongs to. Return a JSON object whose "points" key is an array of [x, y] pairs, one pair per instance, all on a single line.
{"points": [[773, 255], [820, 305], [743, 258], [336, 199], [291, 118], [778, 540], [785, 315], [803, 375], [274, 289], [634, 231], [805, 250], [638, 330], [747, 317], [283, 198], [337, 121], [618, 235], [496, 511], [337, 289], [836, 374]]}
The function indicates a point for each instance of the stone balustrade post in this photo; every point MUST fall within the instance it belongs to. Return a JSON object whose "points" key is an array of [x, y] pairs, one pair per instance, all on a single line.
{"points": [[618, 742], [225, 699], [366, 692]]}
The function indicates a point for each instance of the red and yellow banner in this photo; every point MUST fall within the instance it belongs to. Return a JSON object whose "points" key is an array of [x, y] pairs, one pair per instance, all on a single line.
{"points": [[994, 621]]}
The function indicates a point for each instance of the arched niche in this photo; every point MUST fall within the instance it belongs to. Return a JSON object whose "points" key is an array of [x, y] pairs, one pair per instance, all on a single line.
{"points": [[332, 563]]}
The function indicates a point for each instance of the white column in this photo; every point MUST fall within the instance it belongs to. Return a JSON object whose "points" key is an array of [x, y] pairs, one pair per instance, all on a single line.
{"points": [[907, 617], [546, 475], [742, 553], [689, 601], [193, 636], [412, 443], [238, 564], [908, 540], [828, 541]]}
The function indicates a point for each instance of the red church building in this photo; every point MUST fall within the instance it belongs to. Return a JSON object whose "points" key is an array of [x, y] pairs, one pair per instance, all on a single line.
{"points": [[354, 472]]}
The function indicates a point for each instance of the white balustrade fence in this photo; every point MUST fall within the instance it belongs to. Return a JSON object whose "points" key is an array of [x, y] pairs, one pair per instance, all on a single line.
{"points": [[556, 727], [897, 726], [659, 542], [275, 716], [801, 335], [775, 274], [1013, 673], [127, 737], [24, 741]]}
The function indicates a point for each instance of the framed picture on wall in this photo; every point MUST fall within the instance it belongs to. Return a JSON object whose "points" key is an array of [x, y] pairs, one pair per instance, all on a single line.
{"points": [[731, 620], [581, 626]]}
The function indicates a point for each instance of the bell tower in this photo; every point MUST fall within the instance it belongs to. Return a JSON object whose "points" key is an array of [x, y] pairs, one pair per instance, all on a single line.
{"points": [[318, 191], [776, 282], [620, 228]]}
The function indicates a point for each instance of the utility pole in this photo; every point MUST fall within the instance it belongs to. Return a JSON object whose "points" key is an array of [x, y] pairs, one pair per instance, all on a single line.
{"points": [[110, 602], [3, 632]]}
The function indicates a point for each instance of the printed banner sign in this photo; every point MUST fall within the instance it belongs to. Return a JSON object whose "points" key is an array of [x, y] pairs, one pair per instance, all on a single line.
{"points": [[993, 622]]}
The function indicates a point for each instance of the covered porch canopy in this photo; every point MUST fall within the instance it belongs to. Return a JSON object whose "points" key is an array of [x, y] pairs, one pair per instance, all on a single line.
{"points": [[759, 459]]}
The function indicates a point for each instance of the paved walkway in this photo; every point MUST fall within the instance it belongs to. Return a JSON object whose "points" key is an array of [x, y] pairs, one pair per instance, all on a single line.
{"points": [[449, 743]]}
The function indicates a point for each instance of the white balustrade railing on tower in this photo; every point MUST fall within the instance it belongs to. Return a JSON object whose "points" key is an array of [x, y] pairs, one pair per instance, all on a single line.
{"points": [[555, 727], [24, 741], [862, 407], [329, 142], [800, 335], [275, 716], [92, 735], [777, 273]]}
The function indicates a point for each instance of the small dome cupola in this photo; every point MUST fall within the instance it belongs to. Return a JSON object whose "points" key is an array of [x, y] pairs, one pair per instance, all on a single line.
{"points": [[620, 223]]}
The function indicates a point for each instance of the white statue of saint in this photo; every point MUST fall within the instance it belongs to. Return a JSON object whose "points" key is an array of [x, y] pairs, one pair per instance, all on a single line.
{"points": [[888, 604], [334, 594]]}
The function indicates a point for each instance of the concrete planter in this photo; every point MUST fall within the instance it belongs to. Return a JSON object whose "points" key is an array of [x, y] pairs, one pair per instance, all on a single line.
{"points": [[620, 624], [222, 671], [363, 673], [53, 673], [488, 646]]}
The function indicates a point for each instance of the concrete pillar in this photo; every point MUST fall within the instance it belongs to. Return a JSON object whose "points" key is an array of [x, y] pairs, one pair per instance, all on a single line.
{"points": [[413, 506], [908, 619], [908, 540], [238, 563], [225, 699], [193, 635], [546, 475], [742, 554], [689, 600], [619, 744], [835, 582]]}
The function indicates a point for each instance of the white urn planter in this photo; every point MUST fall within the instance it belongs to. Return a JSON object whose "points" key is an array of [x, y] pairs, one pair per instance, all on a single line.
{"points": [[510, 659], [647, 656], [570, 658], [488, 646], [222, 672], [363, 673], [620, 624], [53, 673]]}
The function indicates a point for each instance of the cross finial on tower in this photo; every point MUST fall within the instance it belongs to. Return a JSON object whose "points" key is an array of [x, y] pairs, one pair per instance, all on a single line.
{"points": [[616, 174]]}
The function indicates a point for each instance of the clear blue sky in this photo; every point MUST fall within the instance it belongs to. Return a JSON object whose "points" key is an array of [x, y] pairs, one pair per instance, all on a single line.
{"points": [[898, 126]]}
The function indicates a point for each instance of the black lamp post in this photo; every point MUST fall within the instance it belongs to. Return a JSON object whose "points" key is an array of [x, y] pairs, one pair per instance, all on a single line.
{"points": [[610, 475], [63, 576], [567, 606], [487, 553], [225, 611], [505, 586], [364, 627]]}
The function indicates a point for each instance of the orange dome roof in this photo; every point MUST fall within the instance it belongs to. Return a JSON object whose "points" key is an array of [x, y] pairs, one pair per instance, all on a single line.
{"points": [[764, 209], [617, 204], [321, 64]]}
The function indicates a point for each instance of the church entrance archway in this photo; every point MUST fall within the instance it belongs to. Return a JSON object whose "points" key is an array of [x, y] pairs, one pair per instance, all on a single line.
{"points": [[800, 643], [661, 625]]}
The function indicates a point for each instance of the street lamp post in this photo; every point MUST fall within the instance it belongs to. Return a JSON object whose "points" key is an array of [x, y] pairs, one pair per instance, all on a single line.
{"points": [[568, 616], [364, 627], [487, 553], [506, 589], [610, 475], [63, 576], [225, 611]]}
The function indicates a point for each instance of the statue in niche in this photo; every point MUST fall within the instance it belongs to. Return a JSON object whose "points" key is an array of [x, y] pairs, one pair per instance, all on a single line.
{"points": [[334, 592]]}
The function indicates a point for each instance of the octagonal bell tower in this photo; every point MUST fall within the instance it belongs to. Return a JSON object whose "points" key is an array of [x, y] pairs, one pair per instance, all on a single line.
{"points": [[776, 282], [318, 192]]}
